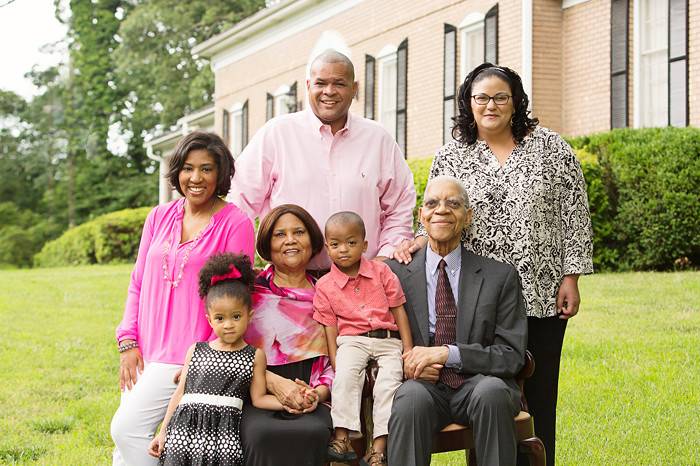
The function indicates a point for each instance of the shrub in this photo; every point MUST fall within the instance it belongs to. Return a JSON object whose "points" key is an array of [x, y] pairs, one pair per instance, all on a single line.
{"points": [[421, 170], [650, 215], [110, 238], [22, 234]]}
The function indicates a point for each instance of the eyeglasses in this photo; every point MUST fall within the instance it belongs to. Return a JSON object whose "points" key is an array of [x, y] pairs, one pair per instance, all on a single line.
{"points": [[451, 204], [498, 99]]}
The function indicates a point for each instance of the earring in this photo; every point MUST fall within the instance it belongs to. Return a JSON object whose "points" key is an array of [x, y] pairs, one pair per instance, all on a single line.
{"points": [[511, 121]]}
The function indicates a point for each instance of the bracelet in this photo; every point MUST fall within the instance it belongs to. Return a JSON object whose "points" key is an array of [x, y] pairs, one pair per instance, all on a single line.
{"points": [[128, 346]]}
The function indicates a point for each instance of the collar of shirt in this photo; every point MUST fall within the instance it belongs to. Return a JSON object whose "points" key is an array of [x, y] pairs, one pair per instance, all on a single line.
{"points": [[341, 279], [319, 125], [453, 261]]}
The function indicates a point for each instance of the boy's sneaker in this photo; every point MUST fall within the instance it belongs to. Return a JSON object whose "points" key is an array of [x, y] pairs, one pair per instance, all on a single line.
{"points": [[341, 451]]}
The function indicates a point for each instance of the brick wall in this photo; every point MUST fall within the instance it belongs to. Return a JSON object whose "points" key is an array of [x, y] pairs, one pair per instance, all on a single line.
{"points": [[586, 68], [547, 63], [366, 29]]}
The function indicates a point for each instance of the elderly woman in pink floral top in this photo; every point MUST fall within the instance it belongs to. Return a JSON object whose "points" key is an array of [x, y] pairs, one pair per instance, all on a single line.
{"points": [[164, 314], [299, 370]]}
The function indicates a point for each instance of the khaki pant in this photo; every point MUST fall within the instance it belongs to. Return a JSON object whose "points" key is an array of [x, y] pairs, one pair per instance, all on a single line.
{"points": [[350, 362]]}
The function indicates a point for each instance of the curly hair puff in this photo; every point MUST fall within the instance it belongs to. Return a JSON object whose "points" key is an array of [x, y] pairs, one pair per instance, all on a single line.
{"points": [[238, 288], [465, 130]]}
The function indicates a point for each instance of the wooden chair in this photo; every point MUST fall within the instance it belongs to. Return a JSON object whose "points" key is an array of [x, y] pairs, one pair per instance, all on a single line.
{"points": [[456, 436]]}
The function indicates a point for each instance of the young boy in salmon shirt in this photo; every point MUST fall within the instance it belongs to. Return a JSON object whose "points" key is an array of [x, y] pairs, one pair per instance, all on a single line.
{"points": [[360, 304]]}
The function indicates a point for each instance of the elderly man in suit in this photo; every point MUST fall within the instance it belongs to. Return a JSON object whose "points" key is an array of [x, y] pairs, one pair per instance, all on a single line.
{"points": [[469, 329]]}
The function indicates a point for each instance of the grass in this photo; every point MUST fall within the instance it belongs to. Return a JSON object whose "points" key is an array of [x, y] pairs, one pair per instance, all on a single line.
{"points": [[629, 386]]}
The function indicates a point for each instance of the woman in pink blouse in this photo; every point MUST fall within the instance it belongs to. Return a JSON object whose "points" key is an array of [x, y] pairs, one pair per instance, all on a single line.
{"points": [[164, 314], [299, 372]]}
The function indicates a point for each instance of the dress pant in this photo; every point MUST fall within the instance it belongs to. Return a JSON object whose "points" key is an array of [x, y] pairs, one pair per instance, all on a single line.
{"points": [[489, 404], [350, 361], [545, 340], [140, 411]]}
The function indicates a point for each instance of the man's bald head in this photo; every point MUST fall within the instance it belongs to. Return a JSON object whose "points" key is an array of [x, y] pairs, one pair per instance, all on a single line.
{"points": [[333, 56]]}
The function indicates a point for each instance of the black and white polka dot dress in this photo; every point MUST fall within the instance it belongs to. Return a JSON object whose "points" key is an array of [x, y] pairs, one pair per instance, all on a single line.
{"points": [[205, 427]]}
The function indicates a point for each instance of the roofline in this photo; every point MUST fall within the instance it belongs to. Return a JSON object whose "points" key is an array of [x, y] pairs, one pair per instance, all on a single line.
{"points": [[196, 115], [251, 25]]}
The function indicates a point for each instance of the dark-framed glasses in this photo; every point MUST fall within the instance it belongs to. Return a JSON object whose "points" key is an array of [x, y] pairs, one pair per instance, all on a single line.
{"points": [[498, 99]]}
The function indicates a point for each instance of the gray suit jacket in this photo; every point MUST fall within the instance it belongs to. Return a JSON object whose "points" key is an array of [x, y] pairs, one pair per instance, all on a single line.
{"points": [[491, 326]]}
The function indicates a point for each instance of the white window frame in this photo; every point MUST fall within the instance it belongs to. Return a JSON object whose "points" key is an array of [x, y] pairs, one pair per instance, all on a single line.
{"points": [[386, 57], [279, 100], [235, 114], [638, 84], [472, 22]]}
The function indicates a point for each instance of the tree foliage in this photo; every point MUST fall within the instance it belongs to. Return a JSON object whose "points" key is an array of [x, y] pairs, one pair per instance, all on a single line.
{"points": [[129, 69]]}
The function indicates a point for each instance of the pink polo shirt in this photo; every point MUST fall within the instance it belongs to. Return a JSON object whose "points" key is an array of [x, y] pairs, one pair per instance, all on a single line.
{"points": [[296, 159], [358, 305], [167, 320]]}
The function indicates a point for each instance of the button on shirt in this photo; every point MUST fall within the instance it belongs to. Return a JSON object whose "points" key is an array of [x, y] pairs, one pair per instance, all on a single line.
{"points": [[296, 159], [453, 267], [360, 304]]}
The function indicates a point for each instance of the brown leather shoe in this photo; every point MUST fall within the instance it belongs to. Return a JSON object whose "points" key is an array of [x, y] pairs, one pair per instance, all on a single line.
{"points": [[375, 459], [341, 451]]}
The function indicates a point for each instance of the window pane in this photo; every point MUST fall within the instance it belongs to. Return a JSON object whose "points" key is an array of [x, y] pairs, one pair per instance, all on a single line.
{"points": [[236, 133], [677, 93], [472, 48], [654, 63], [677, 31], [387, 94], [618, 101]]}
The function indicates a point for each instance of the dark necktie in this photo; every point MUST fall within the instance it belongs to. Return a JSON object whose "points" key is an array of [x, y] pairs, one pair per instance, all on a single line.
{"points": [[445, 322]]}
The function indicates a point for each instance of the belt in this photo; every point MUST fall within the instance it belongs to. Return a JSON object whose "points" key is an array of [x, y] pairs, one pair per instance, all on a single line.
{"points": [[381, 333], [217, 400], [318, 273]]}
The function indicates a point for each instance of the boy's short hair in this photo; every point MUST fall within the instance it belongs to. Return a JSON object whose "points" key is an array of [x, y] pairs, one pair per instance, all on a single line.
{"points": [[346, 217]]}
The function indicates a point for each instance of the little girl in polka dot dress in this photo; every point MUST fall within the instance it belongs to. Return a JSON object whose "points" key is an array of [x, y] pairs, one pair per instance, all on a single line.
{"points": [[204, 413]]}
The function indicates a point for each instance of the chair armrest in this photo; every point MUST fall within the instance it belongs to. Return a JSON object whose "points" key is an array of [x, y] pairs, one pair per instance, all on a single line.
{"points": [[525, 373]]}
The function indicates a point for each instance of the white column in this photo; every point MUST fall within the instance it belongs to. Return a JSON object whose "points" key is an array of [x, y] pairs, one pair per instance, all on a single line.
{"points": [[526, 48]]}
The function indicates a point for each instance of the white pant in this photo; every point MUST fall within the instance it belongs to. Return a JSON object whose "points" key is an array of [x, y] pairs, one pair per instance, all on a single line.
{"points": [[140, 411]]}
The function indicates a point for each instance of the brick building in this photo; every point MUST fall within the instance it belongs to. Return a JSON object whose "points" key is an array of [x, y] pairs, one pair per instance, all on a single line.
{"points": [[587, 65]]}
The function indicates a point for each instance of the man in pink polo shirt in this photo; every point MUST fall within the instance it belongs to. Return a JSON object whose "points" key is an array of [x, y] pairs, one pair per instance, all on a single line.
{"points": [[328, 160], [360, 304]]}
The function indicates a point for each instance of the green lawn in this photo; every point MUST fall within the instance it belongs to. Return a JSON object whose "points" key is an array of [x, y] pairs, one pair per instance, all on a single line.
{"points": [[629, 390]]}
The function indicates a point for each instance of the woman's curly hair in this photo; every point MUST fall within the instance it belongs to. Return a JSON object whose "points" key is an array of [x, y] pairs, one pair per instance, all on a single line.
{"points": [[238, 288], [465, 130]]}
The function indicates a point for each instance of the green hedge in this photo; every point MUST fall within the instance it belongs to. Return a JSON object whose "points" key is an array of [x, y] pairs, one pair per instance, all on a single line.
{"points": [[110, 238], [644, 196], [643, 192], [644, 189]]}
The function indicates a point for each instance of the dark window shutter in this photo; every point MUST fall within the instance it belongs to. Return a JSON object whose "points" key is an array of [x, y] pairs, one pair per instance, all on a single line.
{"points": [[225, 128], [678, 62], [292, 102], [401, 94], [369, 86], [244, 125], [450, 81], [491, 35], [619, 34], [270, 109]]}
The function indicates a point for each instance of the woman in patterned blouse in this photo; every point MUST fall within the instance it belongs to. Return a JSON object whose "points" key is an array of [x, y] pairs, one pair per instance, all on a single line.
{"points": [[530, 210]]}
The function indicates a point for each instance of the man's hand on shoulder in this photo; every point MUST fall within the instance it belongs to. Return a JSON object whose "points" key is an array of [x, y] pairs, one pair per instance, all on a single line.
{"points": [[420, 358]]}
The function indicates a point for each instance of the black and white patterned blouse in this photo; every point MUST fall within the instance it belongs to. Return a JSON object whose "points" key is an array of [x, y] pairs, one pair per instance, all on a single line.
{"points": [[531, 213]]}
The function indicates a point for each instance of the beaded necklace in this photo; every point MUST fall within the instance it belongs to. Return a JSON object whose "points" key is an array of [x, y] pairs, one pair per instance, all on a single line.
{"points": [[185, 258]]}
